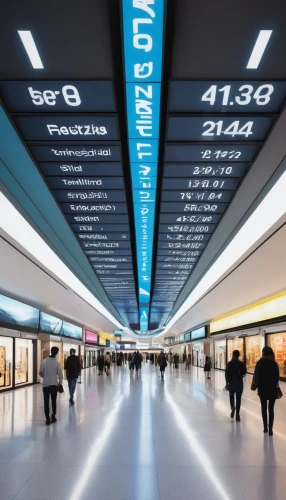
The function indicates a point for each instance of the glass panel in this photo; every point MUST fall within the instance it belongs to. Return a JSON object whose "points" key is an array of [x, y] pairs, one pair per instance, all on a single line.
{"points": [[232, 345], [220, 354], [6, 362], [23, 361], [253, 352], [278, 343]]}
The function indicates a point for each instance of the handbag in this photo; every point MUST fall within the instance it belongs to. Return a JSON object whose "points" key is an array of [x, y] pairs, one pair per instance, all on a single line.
{"points": [[279, 393], [253, 386], [60, 389]]}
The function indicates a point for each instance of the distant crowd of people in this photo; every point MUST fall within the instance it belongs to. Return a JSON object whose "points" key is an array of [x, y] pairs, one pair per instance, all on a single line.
{"points": [[265, 378]]}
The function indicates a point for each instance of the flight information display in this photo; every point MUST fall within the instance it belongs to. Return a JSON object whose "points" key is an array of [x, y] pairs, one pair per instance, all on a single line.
{"points": [[214, 131], [71, 128]]}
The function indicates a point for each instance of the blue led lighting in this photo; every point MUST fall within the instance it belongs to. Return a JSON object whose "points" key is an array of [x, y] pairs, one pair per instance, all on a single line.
{"points": [[143, 42]]}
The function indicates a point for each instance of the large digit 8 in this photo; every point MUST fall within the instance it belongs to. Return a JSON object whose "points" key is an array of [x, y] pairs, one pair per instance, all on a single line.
{"points": [[262, 99], [71, 95]]}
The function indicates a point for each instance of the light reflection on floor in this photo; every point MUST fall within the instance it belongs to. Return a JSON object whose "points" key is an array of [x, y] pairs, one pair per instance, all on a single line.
{"points": [[141, 438]]}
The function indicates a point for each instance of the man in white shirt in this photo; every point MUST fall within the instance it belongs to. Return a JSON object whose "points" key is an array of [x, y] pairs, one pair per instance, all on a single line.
{"points": [[52, 374]]}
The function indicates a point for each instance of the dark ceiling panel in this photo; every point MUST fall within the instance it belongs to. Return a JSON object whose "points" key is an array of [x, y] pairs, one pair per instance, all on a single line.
{"points": [[74, 41]]}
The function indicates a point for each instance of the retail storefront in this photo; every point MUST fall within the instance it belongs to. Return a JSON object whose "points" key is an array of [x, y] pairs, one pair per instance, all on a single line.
{"points": [[90, 349], [278, 343], [220, 354], [18, 343], [266, 327], [196, 347], [55, 332]]}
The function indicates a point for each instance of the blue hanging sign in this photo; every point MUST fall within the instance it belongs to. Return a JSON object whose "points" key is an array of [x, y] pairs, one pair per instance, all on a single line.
{"points": [[143, 41]]}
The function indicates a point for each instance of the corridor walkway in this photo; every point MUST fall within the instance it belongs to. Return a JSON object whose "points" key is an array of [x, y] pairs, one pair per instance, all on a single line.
{"points": [[141, 439]]}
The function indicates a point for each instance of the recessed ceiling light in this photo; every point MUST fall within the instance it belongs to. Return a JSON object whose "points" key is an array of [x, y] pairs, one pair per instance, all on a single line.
{"points": [[258, 49], [31, 49]]}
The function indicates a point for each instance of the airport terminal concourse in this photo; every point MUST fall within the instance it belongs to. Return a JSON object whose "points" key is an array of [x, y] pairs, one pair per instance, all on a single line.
{"points": [[143, 250]]}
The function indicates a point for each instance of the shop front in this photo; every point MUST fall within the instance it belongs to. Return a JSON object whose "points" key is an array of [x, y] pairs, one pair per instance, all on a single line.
{"points": [[266, 327], [91, 349], [196, 347], [18, 343], [277, 341], [54, 332], [220, 354]]}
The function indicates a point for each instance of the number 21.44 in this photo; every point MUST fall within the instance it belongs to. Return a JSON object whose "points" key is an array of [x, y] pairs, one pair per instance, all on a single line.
{"points": [[216, 128]]}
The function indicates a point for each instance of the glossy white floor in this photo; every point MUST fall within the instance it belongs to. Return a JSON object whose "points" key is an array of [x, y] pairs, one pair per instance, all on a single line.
{"points": [[141, 439]]}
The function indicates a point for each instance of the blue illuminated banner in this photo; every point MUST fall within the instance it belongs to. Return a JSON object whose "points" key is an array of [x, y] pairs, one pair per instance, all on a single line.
{"points": [[143, 36], [143, 41]]}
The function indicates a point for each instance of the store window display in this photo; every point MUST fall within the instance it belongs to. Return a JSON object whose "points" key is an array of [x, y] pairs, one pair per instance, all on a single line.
{"points": [[253, 352], [235, 344], [6, 363], [220, 354], [23, 361], [278, 343]]}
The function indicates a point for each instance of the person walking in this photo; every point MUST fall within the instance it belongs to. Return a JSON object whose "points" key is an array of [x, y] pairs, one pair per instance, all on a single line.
{"points": [[73, 370], [100, 363], [137, 362], [266, 380], [107, 363], [162, 362], [234, 373], [52, 375], [176, 361], [208, 366]]}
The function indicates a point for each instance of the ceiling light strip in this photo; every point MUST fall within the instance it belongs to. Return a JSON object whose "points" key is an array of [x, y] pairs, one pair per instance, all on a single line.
{"points": [[31, 49], [143, 43], [16, 226], [258, 49], [268, 212]]}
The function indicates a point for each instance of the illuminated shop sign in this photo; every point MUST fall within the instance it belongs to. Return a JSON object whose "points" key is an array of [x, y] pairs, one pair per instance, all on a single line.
{"points": [[187, 337], [72, 331], [143, 37], [17, 315], [199, 333], [60, 96], [50, 324], [102, 342], [90, 337]]}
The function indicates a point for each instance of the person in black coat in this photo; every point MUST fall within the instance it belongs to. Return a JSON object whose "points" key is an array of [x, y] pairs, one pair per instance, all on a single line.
{"points": [[234, 373], [266, 379]]}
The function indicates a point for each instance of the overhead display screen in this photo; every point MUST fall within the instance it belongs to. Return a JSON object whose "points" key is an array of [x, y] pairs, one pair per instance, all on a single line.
{"points": [[226, 96], [50, 324], [78, 151], [67, 128], [71, 168], [17, 315], [60, 96], [72, 331], [212, 128], [214, 131], [211, 153], [199, 333]]}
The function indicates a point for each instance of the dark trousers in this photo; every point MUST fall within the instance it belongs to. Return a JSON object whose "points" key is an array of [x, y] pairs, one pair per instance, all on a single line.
{"points": [[236, 405], [51, 390], [72, 385], [271, 403]]}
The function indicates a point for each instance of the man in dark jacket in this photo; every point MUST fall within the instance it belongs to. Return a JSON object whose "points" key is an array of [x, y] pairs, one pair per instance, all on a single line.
{"points": [[73, 368], [234, 373], [162, 362]]}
